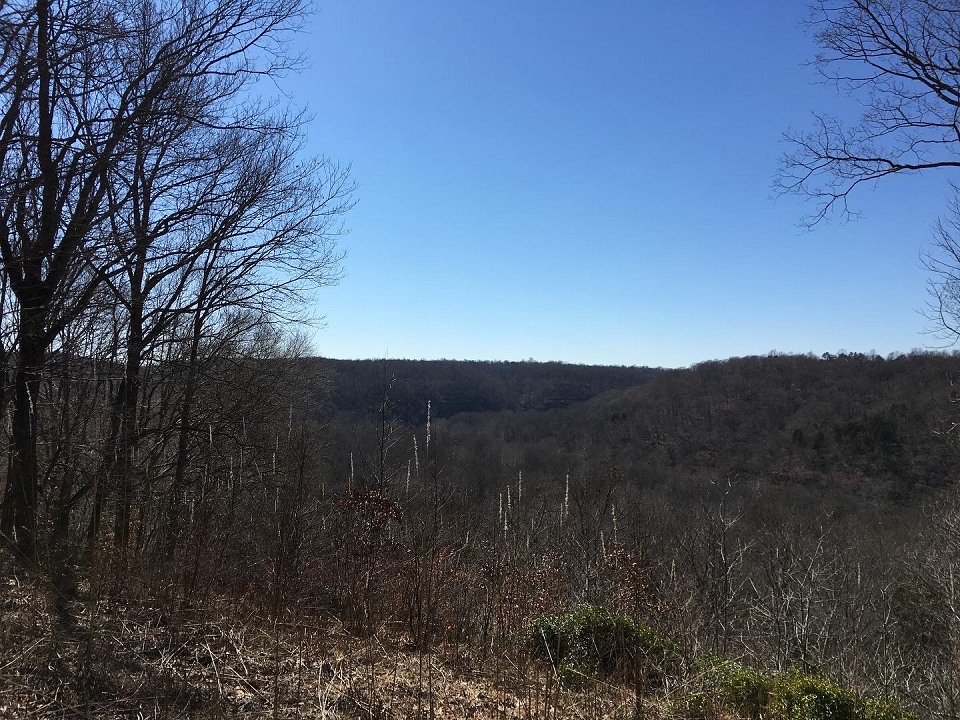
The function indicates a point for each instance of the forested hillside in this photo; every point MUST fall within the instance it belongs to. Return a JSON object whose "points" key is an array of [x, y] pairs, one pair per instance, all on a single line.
{"points": [[791, 511], [849, 424], [468, 386], [737, 539]]}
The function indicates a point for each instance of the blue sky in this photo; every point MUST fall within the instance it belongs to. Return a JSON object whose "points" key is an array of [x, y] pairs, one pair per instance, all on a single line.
{"points": [[591, 182]]}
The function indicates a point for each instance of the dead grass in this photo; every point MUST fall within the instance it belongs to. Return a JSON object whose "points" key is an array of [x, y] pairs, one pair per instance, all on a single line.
{"points": [[126, 659]]}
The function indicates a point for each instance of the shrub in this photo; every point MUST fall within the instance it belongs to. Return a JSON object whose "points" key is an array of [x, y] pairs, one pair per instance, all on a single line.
{"points": [[874, 709], [802, 696], [738, 686], [589, 638], [793, 695]]}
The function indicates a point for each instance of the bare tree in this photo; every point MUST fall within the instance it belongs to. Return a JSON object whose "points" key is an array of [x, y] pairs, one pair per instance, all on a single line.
{"points": [[132, 157], [899, 59]]}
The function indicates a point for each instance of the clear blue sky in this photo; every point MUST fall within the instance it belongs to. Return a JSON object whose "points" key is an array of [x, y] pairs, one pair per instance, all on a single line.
{"points": [[591, 182]]}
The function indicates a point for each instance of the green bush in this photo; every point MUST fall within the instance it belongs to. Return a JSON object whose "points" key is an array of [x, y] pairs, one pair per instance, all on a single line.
{"points": [[589, 638], [793, 695], [874, 709], [798, 695], [738, 686]]}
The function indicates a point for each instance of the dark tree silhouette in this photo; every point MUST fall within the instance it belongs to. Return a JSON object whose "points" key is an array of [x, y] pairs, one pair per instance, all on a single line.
{"points": [[133, 157]]}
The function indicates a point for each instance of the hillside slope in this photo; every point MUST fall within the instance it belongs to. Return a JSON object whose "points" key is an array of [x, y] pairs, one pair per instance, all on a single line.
{"points": [[868, 424], [470, 386]]}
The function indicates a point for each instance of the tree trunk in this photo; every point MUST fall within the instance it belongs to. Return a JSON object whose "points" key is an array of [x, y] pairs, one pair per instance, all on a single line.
{"points": [[19, 517], [127, 404], [183, 441]]}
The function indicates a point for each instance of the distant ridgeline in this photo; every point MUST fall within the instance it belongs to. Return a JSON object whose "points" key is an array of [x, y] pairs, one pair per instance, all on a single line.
{"points": [[792, 416], [454, 386], [864, 424], [867, 423]]}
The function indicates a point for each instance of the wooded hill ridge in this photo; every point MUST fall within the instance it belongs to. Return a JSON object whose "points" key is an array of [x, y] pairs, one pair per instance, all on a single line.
{"points": [[456, 386], [866, 423]]}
